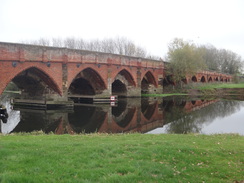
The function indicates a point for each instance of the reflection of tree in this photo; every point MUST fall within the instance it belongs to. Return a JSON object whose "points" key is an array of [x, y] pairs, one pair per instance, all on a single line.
{"points": [[184, 125], [180, 121], [192, 122]]}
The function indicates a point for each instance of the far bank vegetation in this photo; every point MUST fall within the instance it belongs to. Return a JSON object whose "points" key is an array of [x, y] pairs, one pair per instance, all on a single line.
{"points": [[187, 58]]}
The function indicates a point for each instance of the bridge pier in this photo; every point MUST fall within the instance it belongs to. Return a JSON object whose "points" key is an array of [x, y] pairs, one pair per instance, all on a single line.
{"points": [[155, 90], [64, 97]]}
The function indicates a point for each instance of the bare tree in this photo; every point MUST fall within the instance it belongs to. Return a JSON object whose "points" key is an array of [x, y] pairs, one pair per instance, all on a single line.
{"points": [[41, 42], [80, 44], [44, 42], [70, 42], [57, 42], [119, 45]]}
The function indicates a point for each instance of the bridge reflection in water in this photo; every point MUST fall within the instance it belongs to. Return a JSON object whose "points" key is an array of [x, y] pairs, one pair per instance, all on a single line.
{"points": [[129, 115]]}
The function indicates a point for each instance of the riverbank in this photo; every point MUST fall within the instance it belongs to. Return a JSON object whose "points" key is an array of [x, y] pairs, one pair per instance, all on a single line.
{"points": [[121, 158], [205, 90], [206, 86], [218, 90]]}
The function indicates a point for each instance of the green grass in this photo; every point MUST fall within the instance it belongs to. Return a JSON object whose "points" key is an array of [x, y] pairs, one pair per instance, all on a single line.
{"points": [[216, 86], [14, 92], [121, 158], [162, 95]]}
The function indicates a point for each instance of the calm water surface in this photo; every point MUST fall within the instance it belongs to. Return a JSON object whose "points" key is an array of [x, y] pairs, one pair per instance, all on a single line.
{"points": [[147, 115], [231, 122]]}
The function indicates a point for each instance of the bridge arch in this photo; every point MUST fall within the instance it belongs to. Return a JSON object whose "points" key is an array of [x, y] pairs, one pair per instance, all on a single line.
{"points": [[210, 79], [34, 81], [194, 79], [203, 79], [148, 81], [87, 82], [168, 80], [122, 82]]}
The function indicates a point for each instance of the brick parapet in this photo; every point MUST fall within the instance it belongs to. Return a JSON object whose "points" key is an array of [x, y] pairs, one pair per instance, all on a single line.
{"points": [[33, 53]]}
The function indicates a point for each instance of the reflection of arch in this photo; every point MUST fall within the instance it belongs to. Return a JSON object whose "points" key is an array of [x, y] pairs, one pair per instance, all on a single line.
{"points": [[33, 120], [86, 119], [123, 116], [87, 82], [203, 79], [197, 104], [121, 82], [148, 109], [194, 78], [35, 82]]}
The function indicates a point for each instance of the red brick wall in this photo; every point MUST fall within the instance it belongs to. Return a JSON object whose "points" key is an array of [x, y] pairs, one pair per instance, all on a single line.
{"points": [[106, 65], [8, 72]]}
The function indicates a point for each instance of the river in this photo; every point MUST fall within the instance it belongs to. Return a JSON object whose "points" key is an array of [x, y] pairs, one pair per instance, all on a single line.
{"points": [[179, 115]]}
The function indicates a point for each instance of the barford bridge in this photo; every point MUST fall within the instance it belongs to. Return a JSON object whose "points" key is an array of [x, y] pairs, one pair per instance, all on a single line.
{"points": [[59, 73]]}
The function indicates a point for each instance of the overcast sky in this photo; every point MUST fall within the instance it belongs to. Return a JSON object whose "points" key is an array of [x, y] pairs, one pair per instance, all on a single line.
{"points": [[151, 24]]}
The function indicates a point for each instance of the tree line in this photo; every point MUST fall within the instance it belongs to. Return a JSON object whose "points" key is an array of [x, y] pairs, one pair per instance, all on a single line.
{"points": [[119, 45], [186, 58]]}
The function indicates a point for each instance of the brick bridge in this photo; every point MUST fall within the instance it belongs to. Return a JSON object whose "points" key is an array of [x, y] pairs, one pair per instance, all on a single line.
{"points": [[58, 72]]}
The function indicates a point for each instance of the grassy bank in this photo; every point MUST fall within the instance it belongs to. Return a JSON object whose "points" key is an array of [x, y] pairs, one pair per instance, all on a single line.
{"points": [[218, 89], [202, 89], [13, 92], [121, 158], [163, 95], [210, 86]]}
